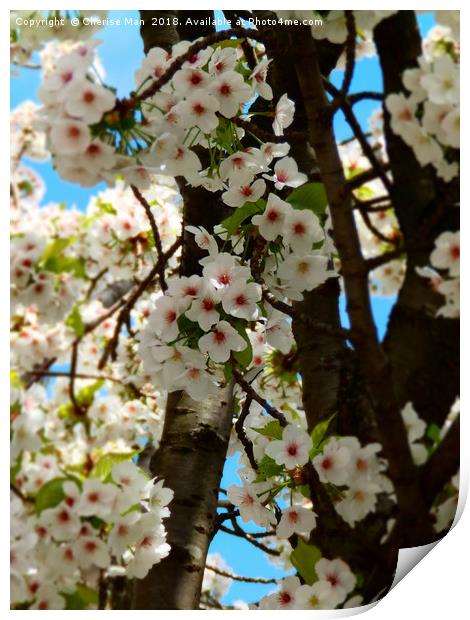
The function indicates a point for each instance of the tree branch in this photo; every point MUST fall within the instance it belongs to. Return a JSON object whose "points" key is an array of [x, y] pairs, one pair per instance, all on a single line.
{"points": [[373, 362]]}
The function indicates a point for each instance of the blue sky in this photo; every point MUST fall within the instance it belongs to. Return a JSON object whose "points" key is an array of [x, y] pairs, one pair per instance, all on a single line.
{"points": [[121, 54]]}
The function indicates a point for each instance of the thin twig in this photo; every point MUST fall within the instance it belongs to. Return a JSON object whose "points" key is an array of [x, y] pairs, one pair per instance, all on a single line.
{"points": [[382, 259], [341, 95], [374, 230], [251, 392], [223, 573], [156, 236], [240, 533], [110, 348], [14, 489], [312, 323], [360, 135], [247, 444]]}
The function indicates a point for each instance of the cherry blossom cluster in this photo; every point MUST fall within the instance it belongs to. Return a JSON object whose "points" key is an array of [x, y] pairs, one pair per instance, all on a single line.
{"points": [[82, 510], [82, 526], [428, 118], [334, 581], [209, 314]]}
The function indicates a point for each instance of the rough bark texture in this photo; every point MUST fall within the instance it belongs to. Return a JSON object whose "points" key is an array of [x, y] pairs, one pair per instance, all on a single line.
{"points": [[190, 459], [195, 435]]}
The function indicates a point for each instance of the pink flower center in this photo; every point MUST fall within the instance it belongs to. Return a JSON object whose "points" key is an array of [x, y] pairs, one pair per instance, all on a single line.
{"points": [[333, 579], [63, 516], [293, 516], [455, 252], [219, 337], [327, 463], [170, 316], [198, 109], [272, 216], [73, 132], [292, 449], [195, 78], [88, 96], [299, 228], [405, 115], [284, 598], [207, 305]]}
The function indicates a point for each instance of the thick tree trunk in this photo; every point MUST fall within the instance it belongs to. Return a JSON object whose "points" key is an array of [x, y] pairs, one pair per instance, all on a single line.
{"points": [[195, 436]]}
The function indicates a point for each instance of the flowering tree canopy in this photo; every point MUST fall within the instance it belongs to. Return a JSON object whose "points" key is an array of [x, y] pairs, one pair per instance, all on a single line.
{"points": [[191, 312]]}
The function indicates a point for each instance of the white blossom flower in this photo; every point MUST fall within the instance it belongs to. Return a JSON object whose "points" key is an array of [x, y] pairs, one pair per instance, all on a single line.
{"points": [[339, 575], [296, 519], [231, 92], [97, 498], [271, 223], [333, 464], [285, 597], [286, 173], [69, 137], [250, 507], [88, 101], [91, 551], [221, 341], [446, 254], [320, 595], [292, 450], [240, 299], [302, 230], [283, 115]]}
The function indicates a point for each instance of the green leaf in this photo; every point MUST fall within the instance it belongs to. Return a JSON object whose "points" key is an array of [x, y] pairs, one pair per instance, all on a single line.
{"points": [[434, 433], [87, 394], [81, 598], [103, 467], [75, 322], [55, 249], [319, 432], [59, 264], [273, 429], [309, 196], [106, 207], [228, 372], [232, 223], [14, 471], [244, 357], [267, 468], [227, 43], [303, 558], [50, 494]]}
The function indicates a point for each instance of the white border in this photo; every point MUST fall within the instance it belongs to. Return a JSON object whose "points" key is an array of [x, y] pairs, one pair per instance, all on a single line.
{"points": [[438, 587]]}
